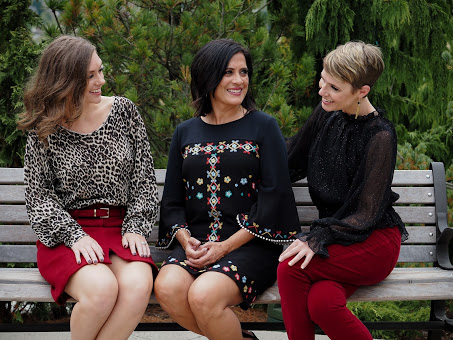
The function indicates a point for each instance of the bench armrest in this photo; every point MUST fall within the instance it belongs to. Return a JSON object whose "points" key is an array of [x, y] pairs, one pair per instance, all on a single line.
{"points": [[443, 253]]}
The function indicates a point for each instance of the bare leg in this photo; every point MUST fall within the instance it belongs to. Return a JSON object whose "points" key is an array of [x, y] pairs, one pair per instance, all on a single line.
{"points": [[95, 288], [210, 298], [135, 283], [171, 289]]}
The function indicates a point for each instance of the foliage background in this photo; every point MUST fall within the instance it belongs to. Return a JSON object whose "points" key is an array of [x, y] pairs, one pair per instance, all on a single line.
{"points": [[147, 47]]}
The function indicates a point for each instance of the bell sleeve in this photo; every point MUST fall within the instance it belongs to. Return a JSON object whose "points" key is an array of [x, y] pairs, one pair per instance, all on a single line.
{"points": [[273, 217], [142, 205], [48, 218], [367, 205], [172, 210]]}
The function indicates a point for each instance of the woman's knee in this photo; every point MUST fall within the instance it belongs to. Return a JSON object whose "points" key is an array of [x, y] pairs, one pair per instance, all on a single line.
{"points": [[136, 285], [290, 276], [169, 288], [97, 291], [325, 298], [211, 293], [283, 270], [203, 302]]}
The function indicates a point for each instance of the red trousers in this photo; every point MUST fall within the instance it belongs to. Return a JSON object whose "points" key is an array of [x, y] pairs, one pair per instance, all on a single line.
{"points": [[318, 293]]}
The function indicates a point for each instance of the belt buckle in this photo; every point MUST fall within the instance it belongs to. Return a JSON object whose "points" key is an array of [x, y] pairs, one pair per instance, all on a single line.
{"points": [[106, 216]]}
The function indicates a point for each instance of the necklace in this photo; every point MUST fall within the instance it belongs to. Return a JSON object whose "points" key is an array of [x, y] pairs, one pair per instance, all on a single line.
{"points": [[211, 117]]}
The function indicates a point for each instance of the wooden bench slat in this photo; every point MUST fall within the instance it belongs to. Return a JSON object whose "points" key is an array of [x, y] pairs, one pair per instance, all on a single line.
{"points": [[17, 253], [420, 234], [418, 253], [402, 284], [412, 177], [409, 215], [401, 178], [13, 214], [17, 234], [417, 215], [27, 253], [14, 194], [24, 234], [414, 195], [12, 176], [408, 195], [17, 214]]}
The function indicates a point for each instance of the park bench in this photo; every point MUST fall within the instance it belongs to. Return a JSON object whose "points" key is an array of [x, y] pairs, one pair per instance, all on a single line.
{"points": [[422, 206]]}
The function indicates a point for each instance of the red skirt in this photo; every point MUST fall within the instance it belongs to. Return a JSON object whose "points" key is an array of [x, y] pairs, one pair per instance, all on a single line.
{"points": [[57, 264]]}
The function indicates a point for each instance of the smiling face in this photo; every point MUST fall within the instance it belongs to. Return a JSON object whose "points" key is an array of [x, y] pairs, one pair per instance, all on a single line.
{"points": [[233, 87], [95, 76], [337, 94]]}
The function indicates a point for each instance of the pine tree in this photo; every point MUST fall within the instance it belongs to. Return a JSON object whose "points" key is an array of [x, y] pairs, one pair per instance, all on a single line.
{"points": [[147, 47], [18, 54], [415, 36]]}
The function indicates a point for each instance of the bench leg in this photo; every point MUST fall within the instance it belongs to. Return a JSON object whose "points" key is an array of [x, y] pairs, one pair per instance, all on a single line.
{"points": [[437, 314]]}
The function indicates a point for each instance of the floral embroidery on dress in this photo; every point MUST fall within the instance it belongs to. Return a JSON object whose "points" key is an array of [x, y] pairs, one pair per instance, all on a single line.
{"points": [[264, 233], [213, 151], [165, 242]]}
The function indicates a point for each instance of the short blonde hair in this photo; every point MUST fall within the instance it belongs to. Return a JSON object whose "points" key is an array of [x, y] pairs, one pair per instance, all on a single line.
{"points": [[356, 63]]}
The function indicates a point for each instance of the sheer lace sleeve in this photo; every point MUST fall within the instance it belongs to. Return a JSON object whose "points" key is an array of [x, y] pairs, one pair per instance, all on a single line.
{"points": [[367, 203]]}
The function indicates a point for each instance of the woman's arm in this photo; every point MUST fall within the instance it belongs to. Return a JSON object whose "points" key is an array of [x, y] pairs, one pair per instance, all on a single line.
{"points": [[52, 224], [172, 210], [48, 218], [142, 205], [273, 217]]}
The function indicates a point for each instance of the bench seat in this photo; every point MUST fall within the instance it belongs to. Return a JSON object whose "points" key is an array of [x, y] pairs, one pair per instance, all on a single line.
{"points": [[422, 206]]}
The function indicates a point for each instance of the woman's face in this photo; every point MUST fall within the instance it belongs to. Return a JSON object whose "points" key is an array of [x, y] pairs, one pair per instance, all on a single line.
{"points": [[233, 87], [337, 94], [95, 80]]}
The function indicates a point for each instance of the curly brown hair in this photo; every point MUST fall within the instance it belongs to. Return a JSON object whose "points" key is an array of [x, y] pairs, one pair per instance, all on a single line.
{"points": [[55, 92]]}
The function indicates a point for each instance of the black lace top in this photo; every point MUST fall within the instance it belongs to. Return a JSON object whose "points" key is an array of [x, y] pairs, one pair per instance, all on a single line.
{"points": [[349, 167]]}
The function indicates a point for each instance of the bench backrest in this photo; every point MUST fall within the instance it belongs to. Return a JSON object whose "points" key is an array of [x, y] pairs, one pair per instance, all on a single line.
{"points": [[416, 206]]}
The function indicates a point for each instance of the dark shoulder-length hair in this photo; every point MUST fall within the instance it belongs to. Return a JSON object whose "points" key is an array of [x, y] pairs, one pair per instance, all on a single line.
{"points": [[55, 92], [208, 69]]}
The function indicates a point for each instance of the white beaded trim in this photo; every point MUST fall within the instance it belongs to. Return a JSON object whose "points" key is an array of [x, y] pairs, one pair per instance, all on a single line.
{"points": [[173, 237], [261, 237]]}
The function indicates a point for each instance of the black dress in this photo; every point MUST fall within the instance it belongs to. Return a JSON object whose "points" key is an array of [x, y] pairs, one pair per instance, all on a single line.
{"points": [[221, 178], [349, 167]]}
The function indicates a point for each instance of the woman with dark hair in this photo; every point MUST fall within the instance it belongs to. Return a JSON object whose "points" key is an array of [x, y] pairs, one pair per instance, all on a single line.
{"points": [[227, 199], [347, 151], [90, 191]]}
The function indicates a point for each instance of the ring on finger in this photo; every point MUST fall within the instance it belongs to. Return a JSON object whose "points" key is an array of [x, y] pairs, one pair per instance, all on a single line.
{"points": [[143, 242]]}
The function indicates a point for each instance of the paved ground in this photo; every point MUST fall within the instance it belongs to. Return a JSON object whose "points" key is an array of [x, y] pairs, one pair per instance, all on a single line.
{"points": [[262, 335]]}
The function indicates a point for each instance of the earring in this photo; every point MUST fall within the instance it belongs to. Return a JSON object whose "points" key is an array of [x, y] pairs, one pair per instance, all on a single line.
{"points": [[358, 109]]}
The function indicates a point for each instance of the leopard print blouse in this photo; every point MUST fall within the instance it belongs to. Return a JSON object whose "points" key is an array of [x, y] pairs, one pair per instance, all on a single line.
{"points": [[112, 165]]}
